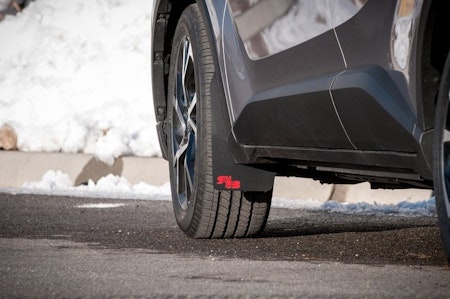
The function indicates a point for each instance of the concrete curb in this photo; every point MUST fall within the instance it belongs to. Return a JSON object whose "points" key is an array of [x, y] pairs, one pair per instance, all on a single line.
{"points": [[20, 167]]}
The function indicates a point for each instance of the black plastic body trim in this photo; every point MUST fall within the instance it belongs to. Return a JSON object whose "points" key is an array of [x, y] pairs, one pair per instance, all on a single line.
{"points": [[306, 162], [373, 110], [297, 114]]}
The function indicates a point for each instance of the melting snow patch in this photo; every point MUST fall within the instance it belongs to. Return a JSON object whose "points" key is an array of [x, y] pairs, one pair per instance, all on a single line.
{"points": [[422, 208], [100, 205], [288, 203], [111, 186], [404, 208], [52, 180]]}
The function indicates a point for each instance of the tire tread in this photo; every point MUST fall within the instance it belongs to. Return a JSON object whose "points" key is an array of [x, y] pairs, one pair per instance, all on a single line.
{"points": [[217, 214]]}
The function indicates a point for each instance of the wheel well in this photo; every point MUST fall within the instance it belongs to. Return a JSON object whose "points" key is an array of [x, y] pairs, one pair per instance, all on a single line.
{"points": [[167, 14], [435, 48]]}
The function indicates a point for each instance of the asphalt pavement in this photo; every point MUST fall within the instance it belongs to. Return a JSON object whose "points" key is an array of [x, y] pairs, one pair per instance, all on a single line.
{"points": [[67, 247]]}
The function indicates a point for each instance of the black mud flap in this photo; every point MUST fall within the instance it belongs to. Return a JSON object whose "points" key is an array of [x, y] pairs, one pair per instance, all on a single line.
{"points": [[227, 174]]}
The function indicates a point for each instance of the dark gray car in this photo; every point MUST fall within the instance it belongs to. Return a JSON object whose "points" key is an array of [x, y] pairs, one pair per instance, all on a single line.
{"points": [[341, 91]]}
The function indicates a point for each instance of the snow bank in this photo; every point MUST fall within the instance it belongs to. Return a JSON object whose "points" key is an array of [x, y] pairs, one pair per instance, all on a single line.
{"points": [[76, 77]]}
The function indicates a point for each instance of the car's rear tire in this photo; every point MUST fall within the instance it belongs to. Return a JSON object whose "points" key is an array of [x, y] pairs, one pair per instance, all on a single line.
{"points": [[442, 157], [200, 210]]}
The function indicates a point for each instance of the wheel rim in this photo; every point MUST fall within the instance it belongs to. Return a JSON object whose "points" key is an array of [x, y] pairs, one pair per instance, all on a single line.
{"points": [[445, 162], [184, 124]]}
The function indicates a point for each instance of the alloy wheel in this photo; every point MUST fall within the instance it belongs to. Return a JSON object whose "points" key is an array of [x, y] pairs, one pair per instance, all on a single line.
{"points": [[184, 124]]}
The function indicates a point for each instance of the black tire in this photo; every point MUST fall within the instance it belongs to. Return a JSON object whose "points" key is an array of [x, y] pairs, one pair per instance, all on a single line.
{"points": [[200, 210], [442, 157]]}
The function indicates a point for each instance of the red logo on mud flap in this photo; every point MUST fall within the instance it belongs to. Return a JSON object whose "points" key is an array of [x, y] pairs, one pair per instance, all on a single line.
{"points": [[228, 182]]}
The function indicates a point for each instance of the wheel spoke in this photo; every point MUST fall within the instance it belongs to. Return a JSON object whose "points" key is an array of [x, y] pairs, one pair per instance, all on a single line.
{"points": [[179, 119], [192, 118], [446, 137], [190, 161], [446, 154], [180, 152], [186, 71], [181, 188], [188, 56], [180, 173]]}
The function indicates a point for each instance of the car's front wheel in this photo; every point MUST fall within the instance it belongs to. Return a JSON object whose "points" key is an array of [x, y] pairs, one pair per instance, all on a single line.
{"points": [[442, 157], [200, 210]]}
